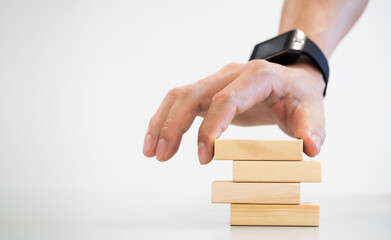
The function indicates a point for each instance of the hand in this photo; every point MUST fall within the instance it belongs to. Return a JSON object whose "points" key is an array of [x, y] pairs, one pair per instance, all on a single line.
{"points": [[256, 93]]}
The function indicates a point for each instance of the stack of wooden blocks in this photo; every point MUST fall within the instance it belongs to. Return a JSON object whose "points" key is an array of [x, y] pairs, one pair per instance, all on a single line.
{"points": [[266, 182]]}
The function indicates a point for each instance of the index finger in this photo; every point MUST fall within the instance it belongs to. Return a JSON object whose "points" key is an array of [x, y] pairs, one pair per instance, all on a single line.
{"points": [[252, 86]]}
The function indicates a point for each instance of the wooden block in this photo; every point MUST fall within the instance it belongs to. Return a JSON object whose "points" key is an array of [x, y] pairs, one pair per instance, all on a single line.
{"points": [[276, 171], [276, 215], [226, 149], [265, 193]]}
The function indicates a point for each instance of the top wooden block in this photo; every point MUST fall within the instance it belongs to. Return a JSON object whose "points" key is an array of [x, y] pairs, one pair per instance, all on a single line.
{"points": [[239, 149]]}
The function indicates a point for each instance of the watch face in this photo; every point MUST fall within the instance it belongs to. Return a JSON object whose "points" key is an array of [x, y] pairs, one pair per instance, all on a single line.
{"points": [[283, 49], [271, 47]]}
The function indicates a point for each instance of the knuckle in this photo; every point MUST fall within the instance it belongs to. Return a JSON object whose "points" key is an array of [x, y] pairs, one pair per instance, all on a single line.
{"points": [[173, 92], [224, 97], [261, 67], [168, 128], [154, 122], [258, 65], [232, 66], [185, 91], [193, 93]]}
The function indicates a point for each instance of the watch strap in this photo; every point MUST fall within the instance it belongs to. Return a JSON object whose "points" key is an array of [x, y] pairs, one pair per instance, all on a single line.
{"points": [[313, 51]]}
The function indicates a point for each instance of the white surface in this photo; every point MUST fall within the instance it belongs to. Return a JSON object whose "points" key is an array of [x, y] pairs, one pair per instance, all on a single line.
{"points": [[163, 216], [79, 81]]}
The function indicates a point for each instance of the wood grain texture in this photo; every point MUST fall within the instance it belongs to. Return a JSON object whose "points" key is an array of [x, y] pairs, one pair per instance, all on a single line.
{"points": [[275, 215], [264, 193], [238, 149], [276, 171]]}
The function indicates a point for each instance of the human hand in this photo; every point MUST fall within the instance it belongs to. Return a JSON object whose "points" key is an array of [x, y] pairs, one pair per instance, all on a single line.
{"points": [[256, 93]]}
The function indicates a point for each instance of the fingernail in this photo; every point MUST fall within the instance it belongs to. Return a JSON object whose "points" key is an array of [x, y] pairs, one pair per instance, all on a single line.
{"points": [[203, 155], [316, 139], [161, 149], [147, 143]]}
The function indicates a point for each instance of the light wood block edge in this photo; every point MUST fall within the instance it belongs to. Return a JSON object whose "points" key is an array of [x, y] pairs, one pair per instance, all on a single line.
{"points": [[256, 193], [277, 171], [242, 149], [305, 214]]}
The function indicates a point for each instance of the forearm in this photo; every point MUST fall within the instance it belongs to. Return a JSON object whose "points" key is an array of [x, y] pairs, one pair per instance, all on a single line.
{"points": [[324, 21]]}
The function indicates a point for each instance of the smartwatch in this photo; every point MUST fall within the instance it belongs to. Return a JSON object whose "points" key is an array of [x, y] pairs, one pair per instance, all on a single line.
{"points": [[287, 48]]}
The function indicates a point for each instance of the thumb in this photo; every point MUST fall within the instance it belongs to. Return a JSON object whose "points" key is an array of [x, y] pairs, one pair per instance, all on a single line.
{"points": [[311, 129], [313, 139]]}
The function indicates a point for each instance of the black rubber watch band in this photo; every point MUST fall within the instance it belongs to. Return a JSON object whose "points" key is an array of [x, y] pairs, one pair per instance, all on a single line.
{"points": [[312, 51]]}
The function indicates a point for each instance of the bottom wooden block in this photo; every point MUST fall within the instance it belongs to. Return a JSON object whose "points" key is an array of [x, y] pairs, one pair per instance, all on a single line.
{"points": [[305, 214]]}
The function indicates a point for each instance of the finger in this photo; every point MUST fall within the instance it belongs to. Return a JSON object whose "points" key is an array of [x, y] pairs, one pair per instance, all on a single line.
{"points": [[156, 123], [217, 82], [191, 100], [177, 122], [252, 86], [309, 125]]}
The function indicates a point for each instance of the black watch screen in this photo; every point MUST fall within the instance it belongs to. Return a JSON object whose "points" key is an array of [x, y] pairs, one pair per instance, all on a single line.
{"points": [[278, 49]]}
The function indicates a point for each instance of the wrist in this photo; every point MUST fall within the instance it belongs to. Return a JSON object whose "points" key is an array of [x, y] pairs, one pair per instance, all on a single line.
{"points": [[315, 76]]}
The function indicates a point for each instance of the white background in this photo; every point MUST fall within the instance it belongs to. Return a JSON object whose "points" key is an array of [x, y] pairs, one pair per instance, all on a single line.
{"points": [[79, 81]]}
